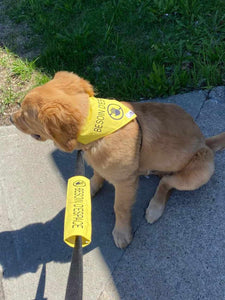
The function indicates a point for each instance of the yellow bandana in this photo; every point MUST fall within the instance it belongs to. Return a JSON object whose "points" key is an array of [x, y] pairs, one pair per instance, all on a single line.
{"points": [[105, 116]]}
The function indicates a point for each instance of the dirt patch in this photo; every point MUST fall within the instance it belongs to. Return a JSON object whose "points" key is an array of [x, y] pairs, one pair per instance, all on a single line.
{"points": [[4, 118]]}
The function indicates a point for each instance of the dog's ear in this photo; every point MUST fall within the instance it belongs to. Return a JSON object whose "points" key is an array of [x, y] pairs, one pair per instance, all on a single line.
{"points": [[73, 84], [61, 124]]}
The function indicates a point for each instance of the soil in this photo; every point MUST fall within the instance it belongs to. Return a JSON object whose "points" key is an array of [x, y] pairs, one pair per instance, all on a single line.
{"points": [[4, 118]]}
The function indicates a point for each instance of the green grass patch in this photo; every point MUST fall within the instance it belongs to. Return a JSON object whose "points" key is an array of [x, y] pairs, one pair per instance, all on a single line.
{"points": [[130, 49], [17, 77]]}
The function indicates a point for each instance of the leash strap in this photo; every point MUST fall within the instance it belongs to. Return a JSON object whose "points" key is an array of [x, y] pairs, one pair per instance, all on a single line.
{"points": [[141, 133], [74, 290]]}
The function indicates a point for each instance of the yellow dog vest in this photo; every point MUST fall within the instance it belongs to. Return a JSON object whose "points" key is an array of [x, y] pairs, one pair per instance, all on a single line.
{"points": [[105, 116]]}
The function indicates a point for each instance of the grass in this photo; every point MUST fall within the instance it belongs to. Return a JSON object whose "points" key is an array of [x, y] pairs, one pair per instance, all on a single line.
{"points": [[17, 76], [128, 49]]}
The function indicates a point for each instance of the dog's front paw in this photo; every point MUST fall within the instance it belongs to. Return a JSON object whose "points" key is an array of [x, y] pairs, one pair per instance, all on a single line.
{"points": [[154, 211], [122, 238]]}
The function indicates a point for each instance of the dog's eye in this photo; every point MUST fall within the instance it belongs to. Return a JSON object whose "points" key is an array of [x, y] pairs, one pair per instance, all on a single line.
{"points": [[36, 136]]}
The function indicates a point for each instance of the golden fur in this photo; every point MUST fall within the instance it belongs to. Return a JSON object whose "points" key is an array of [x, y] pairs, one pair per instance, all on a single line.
{"points": [[172, 145]]}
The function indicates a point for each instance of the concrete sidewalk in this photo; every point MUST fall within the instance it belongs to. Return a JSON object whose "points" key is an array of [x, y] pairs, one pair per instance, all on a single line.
{"points": [[182, 256]]}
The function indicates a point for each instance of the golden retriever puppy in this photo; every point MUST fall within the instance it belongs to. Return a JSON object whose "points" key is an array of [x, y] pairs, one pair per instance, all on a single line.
{"points": [[163, 140]]}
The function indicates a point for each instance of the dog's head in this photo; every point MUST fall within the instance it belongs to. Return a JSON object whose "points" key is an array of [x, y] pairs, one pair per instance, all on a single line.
{"points": [[55, 110]]}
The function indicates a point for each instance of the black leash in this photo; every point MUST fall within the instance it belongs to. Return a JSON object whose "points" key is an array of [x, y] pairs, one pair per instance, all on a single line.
{"points": [[74, 290], [141, 133]]}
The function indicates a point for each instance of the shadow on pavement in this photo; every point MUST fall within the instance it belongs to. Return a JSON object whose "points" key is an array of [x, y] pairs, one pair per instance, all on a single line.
{"points": [[40, 243]]}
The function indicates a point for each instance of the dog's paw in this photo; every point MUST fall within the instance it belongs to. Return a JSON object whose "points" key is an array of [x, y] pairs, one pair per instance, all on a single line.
{"points": [[154, 211], [122, 238]]}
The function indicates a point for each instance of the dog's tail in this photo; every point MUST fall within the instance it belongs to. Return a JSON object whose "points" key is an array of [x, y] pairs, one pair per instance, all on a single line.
{"points": [[216, 142]]}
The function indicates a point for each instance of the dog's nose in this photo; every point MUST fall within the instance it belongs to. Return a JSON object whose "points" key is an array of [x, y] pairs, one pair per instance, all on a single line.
{"points": [[11, 119]]}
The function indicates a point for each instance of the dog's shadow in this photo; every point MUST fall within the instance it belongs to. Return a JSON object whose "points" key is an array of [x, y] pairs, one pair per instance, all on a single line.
{"points": [[23, 250]]}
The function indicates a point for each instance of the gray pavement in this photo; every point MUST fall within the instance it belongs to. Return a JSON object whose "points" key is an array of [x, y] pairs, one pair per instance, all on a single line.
{"points": [[182, 256]]}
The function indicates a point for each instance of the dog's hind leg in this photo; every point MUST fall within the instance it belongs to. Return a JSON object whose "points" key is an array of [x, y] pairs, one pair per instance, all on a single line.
{"points": [[216, 142], [195, 174]]}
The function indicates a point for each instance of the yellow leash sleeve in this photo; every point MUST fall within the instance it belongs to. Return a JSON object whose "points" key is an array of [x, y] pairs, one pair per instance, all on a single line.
{"points": [[78, 211]]}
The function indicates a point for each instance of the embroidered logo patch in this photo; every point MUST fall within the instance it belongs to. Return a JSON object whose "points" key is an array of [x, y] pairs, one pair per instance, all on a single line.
{"points": [[115, 111]]}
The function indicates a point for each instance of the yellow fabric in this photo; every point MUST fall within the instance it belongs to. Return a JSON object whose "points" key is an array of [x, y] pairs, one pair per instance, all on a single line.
{"points": [[78, 211], [105, 116]]}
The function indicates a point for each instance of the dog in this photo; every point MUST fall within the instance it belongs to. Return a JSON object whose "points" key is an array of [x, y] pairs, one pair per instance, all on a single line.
{"points": [[163, 139]]}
